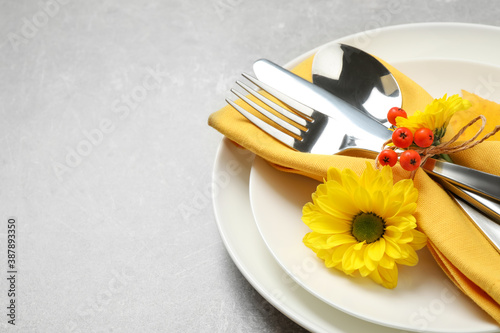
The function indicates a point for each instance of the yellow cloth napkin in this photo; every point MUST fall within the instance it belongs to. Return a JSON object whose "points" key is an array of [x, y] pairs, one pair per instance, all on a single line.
{"points": [[463, 253]]}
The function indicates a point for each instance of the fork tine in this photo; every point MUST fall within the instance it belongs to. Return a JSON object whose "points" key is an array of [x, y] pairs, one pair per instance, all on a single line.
{"points": [[301, 108], [269, 115], [292, 116], [271, 130]]}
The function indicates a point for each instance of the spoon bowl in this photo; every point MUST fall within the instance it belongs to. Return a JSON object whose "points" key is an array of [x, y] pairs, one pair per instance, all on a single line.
{"points": [[358, 78]]}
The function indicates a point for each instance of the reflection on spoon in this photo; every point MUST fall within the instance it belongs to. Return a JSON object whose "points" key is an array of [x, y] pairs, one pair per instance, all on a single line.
{"points": [[358, 78]]}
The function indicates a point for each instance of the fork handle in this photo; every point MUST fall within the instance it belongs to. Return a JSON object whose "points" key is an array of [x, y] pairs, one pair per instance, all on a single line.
{"points": [[476, 181]]}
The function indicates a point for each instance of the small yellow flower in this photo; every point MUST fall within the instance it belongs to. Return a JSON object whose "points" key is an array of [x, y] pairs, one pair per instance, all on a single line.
{"points": [[436, 115], [364, 225]]}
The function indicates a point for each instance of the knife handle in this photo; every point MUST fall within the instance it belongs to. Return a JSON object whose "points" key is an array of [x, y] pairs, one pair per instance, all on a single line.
{"points": [[471, 181]]}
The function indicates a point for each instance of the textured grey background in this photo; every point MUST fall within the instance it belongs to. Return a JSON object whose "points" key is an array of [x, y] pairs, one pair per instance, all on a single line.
{"points": [[103, 244]]}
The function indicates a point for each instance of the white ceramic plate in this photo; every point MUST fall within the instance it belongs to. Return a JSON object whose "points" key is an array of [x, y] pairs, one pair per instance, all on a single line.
{"points": [[412, 48]]}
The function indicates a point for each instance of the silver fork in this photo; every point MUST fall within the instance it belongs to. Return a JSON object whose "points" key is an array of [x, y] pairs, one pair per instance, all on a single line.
{"points": [[313, 132]]}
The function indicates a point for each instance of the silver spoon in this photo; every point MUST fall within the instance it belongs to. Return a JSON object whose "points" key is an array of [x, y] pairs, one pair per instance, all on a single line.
{"points": [[358, 78], [361, 80]]}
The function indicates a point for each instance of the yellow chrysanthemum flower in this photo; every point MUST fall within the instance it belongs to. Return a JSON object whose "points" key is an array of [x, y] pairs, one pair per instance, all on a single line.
{"points": [[364, 225], [436, 115]]}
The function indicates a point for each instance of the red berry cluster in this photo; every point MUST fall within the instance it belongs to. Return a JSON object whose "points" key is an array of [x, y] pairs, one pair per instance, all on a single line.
{"points": [[403, 138]]}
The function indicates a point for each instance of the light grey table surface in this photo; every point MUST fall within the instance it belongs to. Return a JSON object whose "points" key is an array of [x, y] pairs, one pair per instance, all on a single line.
{"points": [[104, 138]]}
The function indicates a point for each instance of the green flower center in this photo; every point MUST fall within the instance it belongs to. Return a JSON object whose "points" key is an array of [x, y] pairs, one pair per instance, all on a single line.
{"points": [[367, 227]]}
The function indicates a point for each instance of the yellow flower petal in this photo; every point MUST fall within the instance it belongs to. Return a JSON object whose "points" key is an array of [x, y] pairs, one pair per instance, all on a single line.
{"points": [[329, 225], [403, 223], [419, 240], [363, 200], [341, 203], [340, 239], [375, 276], [316, 241], [322, 189], [376, 180], [379, 203], [406, 237], [323, 223], [409, 208], [386, 174], [369, 263], [393, 233], [335, 175], [336, 205], [326, 255], [353, 258], [364, 271], [389, 277], [410, 258], [393, 208], [350, 180], [359, 246], [386, 262], [392, 249], [376, 250], [339, 252]]}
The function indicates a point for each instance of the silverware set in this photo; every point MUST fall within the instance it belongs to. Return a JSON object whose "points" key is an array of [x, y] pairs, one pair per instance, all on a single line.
{"points": [[341, 110]]}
